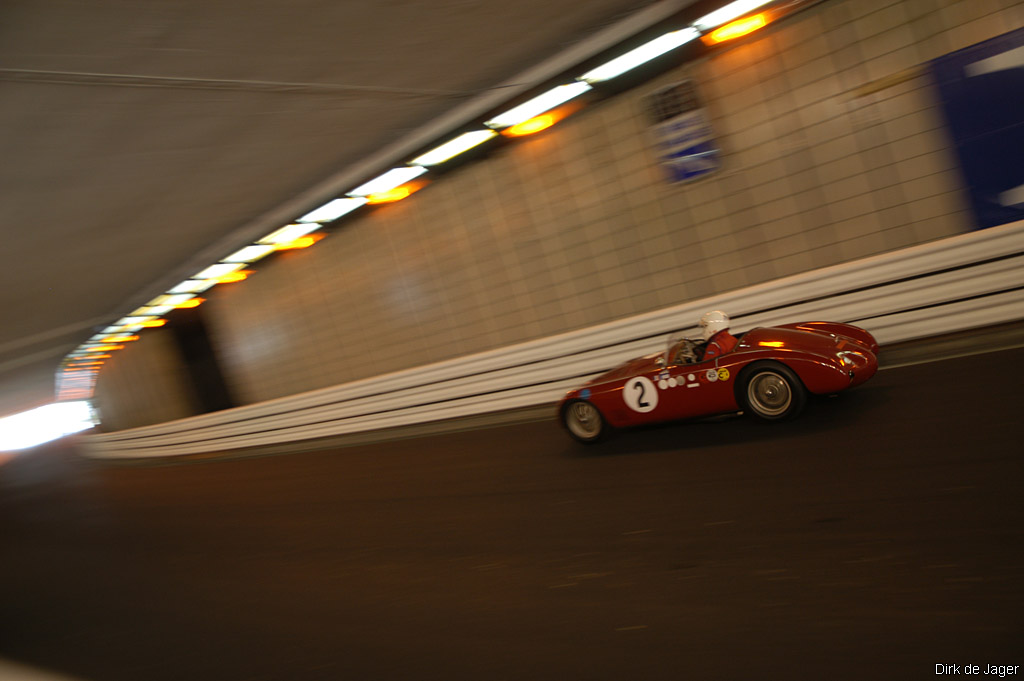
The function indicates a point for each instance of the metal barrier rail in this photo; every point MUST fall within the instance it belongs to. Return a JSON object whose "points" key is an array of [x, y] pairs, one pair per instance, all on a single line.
{"points": [[963, 282]]}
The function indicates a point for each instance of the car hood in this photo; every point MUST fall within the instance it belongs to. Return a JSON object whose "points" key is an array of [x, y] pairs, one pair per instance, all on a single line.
{"points": [[774, 337], [821, 341]]}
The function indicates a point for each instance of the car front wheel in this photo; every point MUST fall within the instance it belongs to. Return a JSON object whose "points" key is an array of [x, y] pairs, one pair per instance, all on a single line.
{"points": [[583, 421], [772, 392]]}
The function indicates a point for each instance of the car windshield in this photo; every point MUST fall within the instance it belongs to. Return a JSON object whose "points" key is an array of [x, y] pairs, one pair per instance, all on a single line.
{"points": [[679, 349]]}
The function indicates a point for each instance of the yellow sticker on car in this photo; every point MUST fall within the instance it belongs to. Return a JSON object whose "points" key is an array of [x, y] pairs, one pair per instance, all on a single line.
{"points": [[723, 374]]}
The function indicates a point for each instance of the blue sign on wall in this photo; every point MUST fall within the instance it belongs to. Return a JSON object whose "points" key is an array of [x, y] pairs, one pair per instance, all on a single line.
{"points": [[982, 93], [682, 133]]}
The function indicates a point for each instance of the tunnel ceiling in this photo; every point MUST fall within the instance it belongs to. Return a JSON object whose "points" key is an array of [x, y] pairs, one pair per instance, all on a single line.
{"points": [[137, 134]]}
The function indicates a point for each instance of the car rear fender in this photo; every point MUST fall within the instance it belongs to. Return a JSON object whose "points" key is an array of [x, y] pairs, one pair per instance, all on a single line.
{"points": [[820, 375], [848, 331]]}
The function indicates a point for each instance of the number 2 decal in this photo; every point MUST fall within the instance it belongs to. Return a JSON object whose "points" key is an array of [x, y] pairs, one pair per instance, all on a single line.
{"points": [[640, 397], [640, 394]]}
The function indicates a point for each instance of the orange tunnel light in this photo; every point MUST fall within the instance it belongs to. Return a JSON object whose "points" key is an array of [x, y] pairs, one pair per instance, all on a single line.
{"points": [[231, 277], [191, 302], [736, 29], [397, 194], [543, 121], [153, 323], [301, 242], [531, 126]]}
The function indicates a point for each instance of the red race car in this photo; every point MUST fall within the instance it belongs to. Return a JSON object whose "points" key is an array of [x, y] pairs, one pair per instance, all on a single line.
{"points": [[768, 375]]}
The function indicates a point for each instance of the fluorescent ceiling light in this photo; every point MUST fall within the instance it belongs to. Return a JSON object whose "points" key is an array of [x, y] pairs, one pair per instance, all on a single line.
{"points": [[290, 233], [640, 55], [463, 142], [172, 300], [217, 271], [389, 180], [332, 210], [152, 311], [728, 13], [538, 105], [192, 286], [249, 254], [133, 321]]}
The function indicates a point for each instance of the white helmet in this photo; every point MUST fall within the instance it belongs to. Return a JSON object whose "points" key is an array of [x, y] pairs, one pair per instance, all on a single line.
{"points": [[713, 322]]}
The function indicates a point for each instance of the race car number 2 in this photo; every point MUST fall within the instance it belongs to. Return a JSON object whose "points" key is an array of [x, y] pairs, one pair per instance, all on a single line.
{"points": [[640, 394]]}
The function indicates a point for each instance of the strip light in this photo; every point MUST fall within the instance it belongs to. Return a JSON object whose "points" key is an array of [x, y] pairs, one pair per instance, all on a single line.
{"points": [[728, 13], [332, 210], [452, 148], [173, 300], [290, 233], [152, 311], [219, 270], [192, 286], [389, 180], [250, 254], [539, 104], [130, 321], [640, 55]]}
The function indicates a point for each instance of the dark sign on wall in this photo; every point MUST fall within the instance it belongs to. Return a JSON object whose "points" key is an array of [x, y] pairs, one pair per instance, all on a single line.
{"points": [[682, 133], [982, 93]]}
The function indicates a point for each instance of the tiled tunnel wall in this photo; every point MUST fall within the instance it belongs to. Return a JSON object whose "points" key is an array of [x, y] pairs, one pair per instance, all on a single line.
{"points": [[833, 149], [143, 385]]}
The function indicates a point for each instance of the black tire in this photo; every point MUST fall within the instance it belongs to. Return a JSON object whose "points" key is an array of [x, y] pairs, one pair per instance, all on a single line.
{"points": [[770, 391], [583, 421]]}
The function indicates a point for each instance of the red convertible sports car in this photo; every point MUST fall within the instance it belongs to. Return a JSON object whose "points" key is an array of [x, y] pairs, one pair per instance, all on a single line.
{"points": [[768, 375]]}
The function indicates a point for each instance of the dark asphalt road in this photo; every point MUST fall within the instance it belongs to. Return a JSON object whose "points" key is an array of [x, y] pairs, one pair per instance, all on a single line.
{"points": [[880, 534]]}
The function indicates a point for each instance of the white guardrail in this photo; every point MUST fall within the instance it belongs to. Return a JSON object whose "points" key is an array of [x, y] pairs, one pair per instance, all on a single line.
{"points": [[967, 281]]}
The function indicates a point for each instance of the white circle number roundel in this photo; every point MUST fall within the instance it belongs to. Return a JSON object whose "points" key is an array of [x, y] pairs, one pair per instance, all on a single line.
{"points": [[640, 394]]}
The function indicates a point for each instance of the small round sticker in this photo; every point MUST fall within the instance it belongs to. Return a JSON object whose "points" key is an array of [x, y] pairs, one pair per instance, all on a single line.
{"points": [[640, 394], [723, 374], [711, 375]]}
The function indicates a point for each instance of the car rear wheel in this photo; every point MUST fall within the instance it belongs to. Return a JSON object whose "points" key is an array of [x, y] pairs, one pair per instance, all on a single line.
{"points": [[583, 421], [772, 392]]}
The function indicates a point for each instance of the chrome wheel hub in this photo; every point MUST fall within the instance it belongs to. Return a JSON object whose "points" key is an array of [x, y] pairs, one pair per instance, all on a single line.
{"points": [[769, 394], [583, 420]]}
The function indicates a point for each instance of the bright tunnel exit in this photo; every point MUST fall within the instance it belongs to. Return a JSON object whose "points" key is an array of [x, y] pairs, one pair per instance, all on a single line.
{"points": [[43, 424]]}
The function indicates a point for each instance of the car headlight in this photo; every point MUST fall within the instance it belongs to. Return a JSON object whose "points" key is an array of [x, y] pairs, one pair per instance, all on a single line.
{"points": [[851, 358]]}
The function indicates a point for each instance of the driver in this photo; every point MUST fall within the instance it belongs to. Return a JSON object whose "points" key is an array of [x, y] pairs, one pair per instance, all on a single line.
{"points": [[717, 338]]}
